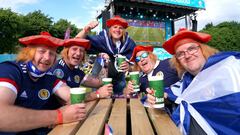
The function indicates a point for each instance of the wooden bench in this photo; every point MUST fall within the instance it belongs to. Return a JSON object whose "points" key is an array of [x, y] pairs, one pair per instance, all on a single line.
{"points": [[125, 116]]}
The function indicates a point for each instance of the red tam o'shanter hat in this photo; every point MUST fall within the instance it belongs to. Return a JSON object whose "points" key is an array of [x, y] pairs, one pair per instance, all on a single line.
{"points": [[78, 42], [138, 49], [44, 38], [184, 36], [117, 20]]}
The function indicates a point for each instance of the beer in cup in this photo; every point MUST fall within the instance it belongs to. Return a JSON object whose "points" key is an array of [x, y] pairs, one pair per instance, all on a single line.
{"points": [[156, 83], [77, 95], [107, 81], [134, 78], [120, 60]]}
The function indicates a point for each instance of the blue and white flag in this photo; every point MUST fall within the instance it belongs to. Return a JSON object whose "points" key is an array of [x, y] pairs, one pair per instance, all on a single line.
{"points": [[212, 98], [108, 130]]}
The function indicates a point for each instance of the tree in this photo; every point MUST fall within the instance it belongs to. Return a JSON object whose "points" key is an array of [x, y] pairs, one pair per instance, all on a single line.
{"points": [[35, 22], [10, 28], [225, 36], [14, 26], [59, 28], [209, 25]]}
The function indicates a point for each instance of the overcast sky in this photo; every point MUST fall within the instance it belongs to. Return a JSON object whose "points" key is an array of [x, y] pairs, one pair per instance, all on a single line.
{"points": [[80, 12]]}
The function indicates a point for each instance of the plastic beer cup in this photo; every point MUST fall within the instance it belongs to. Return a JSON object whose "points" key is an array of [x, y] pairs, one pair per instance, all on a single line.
{"points": [[107, 81], [120, 60], [156, 83], [134, 77], [77, 95]]}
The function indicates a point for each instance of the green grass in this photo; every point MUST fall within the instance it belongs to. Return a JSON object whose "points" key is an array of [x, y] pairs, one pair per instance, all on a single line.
{"points": [[141, 34]]}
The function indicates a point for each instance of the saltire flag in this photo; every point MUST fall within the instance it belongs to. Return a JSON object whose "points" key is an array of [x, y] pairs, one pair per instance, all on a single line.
{"points": [[212, 98], [108, 130], [100, 60], [67, 33]]}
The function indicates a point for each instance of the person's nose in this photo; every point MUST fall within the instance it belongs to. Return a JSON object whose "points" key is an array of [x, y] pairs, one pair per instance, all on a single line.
{"points": [[78, 52], [187, 54], [47, 56], [118, 29]]}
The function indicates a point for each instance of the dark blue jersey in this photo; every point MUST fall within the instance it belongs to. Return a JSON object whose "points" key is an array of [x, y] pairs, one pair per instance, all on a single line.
{"points": [[30, 94], [163, 68], [73, 77]]}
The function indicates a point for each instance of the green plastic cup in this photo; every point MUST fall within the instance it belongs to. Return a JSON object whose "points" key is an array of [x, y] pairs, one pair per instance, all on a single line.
{"points": [[120, 60], [134, 77], [77, 95], [156, 83], [107, 81]]}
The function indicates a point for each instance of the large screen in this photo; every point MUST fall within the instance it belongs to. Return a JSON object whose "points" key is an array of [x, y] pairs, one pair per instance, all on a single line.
{"points": [[190, 3], [146, 32]]}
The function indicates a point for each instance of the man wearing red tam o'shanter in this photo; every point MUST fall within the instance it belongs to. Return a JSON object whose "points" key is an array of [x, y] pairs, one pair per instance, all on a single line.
{"points": [[209, 85], [26, 85], [67, 69], [112, 43]]}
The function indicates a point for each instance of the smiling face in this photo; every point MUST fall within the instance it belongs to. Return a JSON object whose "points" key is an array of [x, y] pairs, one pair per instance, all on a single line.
{"points": [[75, 56], [146, 64], [44, 57], [192, 59], [116, 31]]}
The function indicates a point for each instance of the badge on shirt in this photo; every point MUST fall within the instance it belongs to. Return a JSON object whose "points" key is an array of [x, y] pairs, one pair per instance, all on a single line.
{"points": [[76, 79], [58, 73], [160, 73], [43, 94]]}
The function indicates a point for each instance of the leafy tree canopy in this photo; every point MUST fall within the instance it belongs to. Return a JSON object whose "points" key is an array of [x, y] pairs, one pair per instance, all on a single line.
{"points": [[225, 36]]}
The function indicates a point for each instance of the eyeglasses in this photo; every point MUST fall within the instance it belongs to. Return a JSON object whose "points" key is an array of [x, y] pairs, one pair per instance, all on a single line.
{"points": [[144, 55], [190, 50]]}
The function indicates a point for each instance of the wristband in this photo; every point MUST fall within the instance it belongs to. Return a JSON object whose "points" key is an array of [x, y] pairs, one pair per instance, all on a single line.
{"points": [[98, 94], [59, 117]]}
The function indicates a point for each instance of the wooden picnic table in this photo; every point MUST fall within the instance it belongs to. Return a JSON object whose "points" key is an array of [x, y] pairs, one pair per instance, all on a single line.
{"points": [[125, 116]]}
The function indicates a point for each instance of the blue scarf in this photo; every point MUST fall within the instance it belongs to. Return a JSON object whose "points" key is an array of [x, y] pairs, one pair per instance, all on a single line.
{"points": [[34, 71]]}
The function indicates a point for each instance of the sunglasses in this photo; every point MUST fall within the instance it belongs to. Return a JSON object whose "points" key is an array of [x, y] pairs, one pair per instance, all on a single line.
{"points": [[144, 55]]}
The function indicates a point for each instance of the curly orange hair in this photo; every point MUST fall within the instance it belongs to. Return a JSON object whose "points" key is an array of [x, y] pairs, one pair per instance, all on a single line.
{"points": [[26, 54]]}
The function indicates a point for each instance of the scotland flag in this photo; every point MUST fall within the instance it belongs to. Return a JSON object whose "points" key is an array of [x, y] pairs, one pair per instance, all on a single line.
{"points": [[212, 97], [108, 130]]}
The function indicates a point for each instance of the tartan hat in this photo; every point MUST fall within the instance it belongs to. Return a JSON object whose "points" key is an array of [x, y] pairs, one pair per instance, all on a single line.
{"points": [[185, 36], [77, 41], [117, 20], [138, 49], [44, 38]]}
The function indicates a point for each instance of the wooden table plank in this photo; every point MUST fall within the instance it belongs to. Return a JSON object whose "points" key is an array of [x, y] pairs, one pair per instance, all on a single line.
{"points": [[71, 128], [139, 120], [118, 117], [94, 124], [162, 122]]}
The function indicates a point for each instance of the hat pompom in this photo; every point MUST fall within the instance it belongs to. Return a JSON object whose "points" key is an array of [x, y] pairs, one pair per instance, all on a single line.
{"points": [[45, 33]]}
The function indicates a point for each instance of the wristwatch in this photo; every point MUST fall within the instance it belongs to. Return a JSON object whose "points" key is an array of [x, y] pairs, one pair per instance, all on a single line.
{"points": [[98, 94]]}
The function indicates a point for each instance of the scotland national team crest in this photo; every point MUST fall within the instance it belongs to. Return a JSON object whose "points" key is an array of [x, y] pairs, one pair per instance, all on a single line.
{"points": [[58, 73], [43, 94], [160, 73], [76, 79]]}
